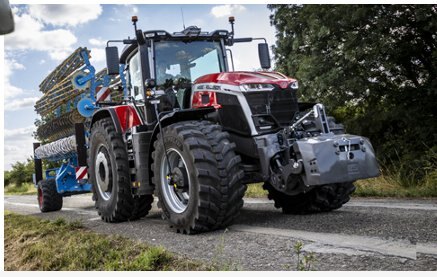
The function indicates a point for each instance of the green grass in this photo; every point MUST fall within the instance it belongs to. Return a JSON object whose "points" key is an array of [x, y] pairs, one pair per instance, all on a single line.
{"points": [[24, 189], [255, 191], [382, 186], [389, 186], [36, 244]]}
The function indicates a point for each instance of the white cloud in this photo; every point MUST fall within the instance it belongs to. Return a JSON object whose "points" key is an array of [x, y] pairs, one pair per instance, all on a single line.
{"points": [[19, 133], [60, 54], [11, 65], [114, 19], [97, 42], [29, 35], [65, 15], [226, 10], [18, 145], [132, 8], [11, 90], [14, 65], [18, 104], [98, 55]]}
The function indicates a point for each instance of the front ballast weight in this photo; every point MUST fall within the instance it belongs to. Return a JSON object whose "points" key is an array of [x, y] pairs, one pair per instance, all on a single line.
{"points": [[318, 159], [333, 158]]}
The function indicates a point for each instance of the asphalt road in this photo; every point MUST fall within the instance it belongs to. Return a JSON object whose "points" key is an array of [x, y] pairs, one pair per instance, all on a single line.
{"points": [[366, 234]]}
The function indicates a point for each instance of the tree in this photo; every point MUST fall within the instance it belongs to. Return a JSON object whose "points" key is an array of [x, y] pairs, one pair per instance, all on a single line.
{"points": [[374, 66], [21, 172], [7, 177]]}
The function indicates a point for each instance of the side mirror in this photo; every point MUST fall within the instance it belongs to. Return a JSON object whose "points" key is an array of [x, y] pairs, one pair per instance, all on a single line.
{"points": [[6, 18], [264, 55], [112, 60]]}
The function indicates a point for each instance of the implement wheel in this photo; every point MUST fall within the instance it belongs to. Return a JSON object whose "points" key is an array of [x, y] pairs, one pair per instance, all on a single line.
{"points": [[49, 199]]}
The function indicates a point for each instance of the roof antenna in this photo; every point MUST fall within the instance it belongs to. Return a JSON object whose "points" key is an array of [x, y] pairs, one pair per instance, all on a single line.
{"points": [[183, 21]]}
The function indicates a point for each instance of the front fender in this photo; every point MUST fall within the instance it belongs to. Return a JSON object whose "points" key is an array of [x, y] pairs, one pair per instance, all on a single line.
{"points": [[181, 115], [178, 116]]}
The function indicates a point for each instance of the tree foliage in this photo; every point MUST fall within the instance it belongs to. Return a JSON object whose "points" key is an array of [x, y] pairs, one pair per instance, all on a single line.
{"points": [[374, 66], [22, 172]]}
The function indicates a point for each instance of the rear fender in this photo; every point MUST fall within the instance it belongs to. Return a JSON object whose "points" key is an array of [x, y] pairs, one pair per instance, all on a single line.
{"points": [[124, 117]]}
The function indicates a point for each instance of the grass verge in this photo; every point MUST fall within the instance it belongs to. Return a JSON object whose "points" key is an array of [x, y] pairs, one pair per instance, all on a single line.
{"points": [[382, 186], [255, 191], [388, 186], [24, 189], [36, 244]]}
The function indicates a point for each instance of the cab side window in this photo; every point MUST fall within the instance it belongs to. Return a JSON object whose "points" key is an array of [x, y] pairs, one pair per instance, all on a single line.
{"points": [[135, 76]]}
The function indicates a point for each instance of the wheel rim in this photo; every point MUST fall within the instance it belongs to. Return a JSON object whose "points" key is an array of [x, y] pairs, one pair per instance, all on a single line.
{"points": [[176, 195], [40, 199], [103, 174]]}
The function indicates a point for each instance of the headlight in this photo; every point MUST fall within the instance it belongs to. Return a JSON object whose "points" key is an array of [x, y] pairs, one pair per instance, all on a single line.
{"points": [[294, 85], [257, 87]]}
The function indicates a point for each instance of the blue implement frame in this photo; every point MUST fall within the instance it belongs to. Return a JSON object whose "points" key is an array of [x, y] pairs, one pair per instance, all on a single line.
{"points": [[65, 177]]}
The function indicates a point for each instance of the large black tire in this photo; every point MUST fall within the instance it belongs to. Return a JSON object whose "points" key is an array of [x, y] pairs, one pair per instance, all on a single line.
{"points": [[229, 171], [142, 206], [109, 173], [320, 199], [200, 161], [49, 199]]}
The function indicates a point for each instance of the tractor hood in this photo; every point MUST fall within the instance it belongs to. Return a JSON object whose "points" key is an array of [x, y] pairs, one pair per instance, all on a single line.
{"points": [[246, 77]]}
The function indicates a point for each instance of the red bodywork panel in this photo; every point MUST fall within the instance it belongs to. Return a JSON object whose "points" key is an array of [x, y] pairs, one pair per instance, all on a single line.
{"points": [[245, 77], [205, 99], [127, 117]]}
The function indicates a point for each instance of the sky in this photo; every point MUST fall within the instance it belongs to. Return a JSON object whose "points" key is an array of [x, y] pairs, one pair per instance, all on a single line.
{"points": [[46, 34]]}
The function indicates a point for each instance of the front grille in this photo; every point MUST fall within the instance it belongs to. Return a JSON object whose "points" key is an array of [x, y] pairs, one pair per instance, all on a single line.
{"points": [[280, 103]]}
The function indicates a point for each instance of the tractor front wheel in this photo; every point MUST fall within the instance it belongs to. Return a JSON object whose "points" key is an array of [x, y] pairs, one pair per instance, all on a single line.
{"points": [[320, 199], [189, 175]]}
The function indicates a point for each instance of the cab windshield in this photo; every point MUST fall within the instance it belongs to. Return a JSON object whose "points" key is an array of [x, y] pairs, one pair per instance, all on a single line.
{"points": [[177, 61]]}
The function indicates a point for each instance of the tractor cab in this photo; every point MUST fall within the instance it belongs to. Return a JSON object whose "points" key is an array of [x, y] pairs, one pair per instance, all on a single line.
{"points": [[172, 62], [169, 63]]}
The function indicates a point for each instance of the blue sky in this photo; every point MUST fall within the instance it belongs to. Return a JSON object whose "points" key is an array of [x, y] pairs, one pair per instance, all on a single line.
{"points": [[46, 34]]}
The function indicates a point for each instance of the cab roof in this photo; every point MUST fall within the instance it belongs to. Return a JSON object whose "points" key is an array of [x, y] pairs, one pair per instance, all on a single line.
{"points": [[188, 34]]}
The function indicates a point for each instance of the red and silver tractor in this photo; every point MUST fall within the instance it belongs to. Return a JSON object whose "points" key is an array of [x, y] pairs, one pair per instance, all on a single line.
{"points": [[194, 133]]}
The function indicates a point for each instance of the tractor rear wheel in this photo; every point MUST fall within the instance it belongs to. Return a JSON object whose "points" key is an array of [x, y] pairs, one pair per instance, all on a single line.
{"points": [[320, 199], [194, 191], [49, 199], [109, 173]]}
